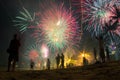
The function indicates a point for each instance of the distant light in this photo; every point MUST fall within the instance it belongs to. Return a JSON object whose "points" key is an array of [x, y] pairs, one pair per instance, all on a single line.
{"points": [[113, 52], [112, 46], [45, 51], [83, 55]]}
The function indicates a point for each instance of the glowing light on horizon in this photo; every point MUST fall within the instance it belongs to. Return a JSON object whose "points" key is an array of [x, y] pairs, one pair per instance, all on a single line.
{"points": [[88, 56]]}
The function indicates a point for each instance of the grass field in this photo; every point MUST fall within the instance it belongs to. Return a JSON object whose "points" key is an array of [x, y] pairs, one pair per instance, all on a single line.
{"points": [[105, 71]]}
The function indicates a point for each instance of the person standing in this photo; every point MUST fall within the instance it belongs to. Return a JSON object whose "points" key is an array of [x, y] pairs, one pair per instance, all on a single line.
{"points": [[57, 60], [107, 53], [48, 64], [13, 51], [62, 60], [95, 54], [32, 64]]}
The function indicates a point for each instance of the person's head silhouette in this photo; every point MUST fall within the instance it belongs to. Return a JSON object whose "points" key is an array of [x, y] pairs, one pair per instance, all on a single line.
{"points": [[15, 36]]}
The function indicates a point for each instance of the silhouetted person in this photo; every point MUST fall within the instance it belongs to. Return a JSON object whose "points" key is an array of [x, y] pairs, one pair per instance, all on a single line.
{"points": [[58, 60], [101, 49], [13, 51], [62, 60], [48, 64], [95, 54], [32, 64], [85, 61], [107, 53]]}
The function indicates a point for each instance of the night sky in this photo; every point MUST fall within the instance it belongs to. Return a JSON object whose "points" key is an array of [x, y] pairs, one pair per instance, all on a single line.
{"points": [[9, 9]]}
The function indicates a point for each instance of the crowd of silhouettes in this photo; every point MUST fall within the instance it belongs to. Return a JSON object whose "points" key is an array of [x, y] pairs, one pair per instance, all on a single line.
{"points": [[14, 46]]}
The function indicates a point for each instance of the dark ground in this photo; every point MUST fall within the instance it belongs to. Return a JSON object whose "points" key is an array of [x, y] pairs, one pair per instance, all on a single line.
{"points": [[105, 71]]}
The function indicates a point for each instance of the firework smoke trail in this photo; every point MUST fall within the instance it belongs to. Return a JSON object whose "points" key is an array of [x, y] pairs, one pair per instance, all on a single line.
{"points": [[58, 27], [25, 20]]}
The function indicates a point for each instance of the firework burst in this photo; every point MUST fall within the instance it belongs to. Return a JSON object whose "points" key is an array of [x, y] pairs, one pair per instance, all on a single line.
{"points": [[25, 20], [32, 52], [96, 14], [115, 21], [58, 27]]}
